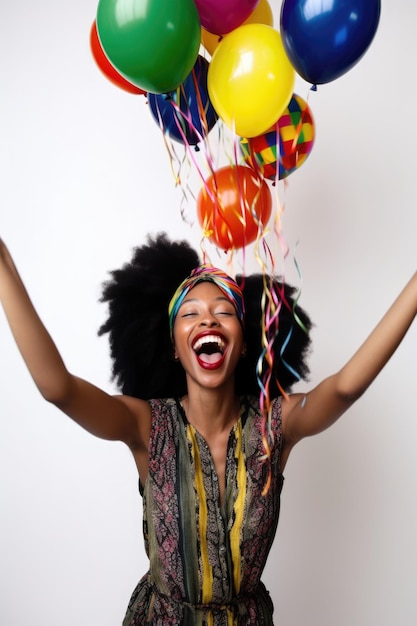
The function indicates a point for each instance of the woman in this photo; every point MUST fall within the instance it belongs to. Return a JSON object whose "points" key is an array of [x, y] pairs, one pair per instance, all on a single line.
{"points": [[211, 471]]}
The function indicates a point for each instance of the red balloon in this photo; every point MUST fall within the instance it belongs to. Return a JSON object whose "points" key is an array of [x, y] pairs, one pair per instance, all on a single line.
{"points": [[106, 67], [234, 206]]}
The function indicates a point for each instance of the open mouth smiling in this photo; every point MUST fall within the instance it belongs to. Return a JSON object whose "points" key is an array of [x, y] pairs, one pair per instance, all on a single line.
{"points": [[210, 350]]}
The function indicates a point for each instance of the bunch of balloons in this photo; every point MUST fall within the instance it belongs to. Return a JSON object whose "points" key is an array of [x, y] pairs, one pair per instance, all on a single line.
{"points": [[245, 78]]}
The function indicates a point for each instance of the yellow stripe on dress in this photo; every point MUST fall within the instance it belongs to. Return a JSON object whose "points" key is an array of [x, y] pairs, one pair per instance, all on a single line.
{"points": [[207, 571], [239, 507]]}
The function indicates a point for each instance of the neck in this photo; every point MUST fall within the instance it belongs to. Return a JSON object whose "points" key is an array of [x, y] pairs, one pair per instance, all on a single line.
{"points": [[211, 410]]}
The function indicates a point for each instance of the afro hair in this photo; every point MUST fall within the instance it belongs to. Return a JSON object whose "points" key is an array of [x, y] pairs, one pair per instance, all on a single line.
{"points": [[290, 341], [141, 349], [138, 295]]}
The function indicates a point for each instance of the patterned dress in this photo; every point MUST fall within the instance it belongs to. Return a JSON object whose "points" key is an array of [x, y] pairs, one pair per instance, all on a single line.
{"points": [[206, 558]]}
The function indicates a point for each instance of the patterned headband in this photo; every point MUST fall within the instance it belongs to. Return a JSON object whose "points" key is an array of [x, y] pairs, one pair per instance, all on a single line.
{"points": [[223, 281]]}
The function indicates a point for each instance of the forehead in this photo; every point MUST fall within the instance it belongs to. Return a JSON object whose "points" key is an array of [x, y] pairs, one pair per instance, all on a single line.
{"points": [[206, 290]]}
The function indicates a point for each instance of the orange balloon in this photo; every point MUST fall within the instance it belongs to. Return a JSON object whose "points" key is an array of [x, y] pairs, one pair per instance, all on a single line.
{"points": [[106, 67], [262, 14], [234, 206], [209, 40]]}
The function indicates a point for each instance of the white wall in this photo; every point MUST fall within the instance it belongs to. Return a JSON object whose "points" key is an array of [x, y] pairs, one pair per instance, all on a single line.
{"points": [[84, 177]]}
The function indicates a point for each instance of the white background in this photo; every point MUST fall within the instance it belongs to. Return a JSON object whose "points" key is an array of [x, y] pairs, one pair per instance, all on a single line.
{"points": [[84, 177]]}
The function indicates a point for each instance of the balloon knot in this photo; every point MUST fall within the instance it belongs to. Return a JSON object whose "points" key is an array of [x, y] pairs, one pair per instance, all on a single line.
{"points": [[313, 87]]}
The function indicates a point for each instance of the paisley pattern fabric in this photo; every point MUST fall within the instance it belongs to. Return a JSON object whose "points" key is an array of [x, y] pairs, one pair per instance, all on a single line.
{"points": [[207, 556]]}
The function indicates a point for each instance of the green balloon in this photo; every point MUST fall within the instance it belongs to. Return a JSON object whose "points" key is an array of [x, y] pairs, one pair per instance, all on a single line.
{"points": [[152, 43]]}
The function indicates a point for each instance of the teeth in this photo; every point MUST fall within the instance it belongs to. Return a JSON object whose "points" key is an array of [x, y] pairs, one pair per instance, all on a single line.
{"points": [[209, 339]]}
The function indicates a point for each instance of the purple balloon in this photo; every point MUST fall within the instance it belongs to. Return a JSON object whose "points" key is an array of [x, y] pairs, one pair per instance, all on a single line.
{"points": [[223, 16]]}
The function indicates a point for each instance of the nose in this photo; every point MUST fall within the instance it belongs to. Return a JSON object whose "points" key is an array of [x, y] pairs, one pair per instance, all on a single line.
{"points": [[209, 320]]}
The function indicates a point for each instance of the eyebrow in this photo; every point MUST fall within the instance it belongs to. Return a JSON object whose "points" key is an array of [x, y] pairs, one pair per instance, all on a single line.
{"points": [[216, 299]]}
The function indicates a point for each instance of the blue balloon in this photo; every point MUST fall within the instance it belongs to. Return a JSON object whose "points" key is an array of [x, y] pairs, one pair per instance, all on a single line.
{"points": [[186, 114], [325, 38]]}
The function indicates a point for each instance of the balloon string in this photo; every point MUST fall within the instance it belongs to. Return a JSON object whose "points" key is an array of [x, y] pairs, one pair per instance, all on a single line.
{"points": [[181, 177], [298, 295], [270, 308], [175, 173], [272, 301], [269, 313], [202, 111], [181, 117]]}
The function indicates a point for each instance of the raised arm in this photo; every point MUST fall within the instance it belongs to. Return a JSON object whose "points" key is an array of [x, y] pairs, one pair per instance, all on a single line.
{"points": [[311, 413], [106, 416]]}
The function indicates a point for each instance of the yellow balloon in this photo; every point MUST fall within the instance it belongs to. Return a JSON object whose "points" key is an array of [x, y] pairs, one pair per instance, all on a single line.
{"points": [[262, 14], [250, 79]]}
